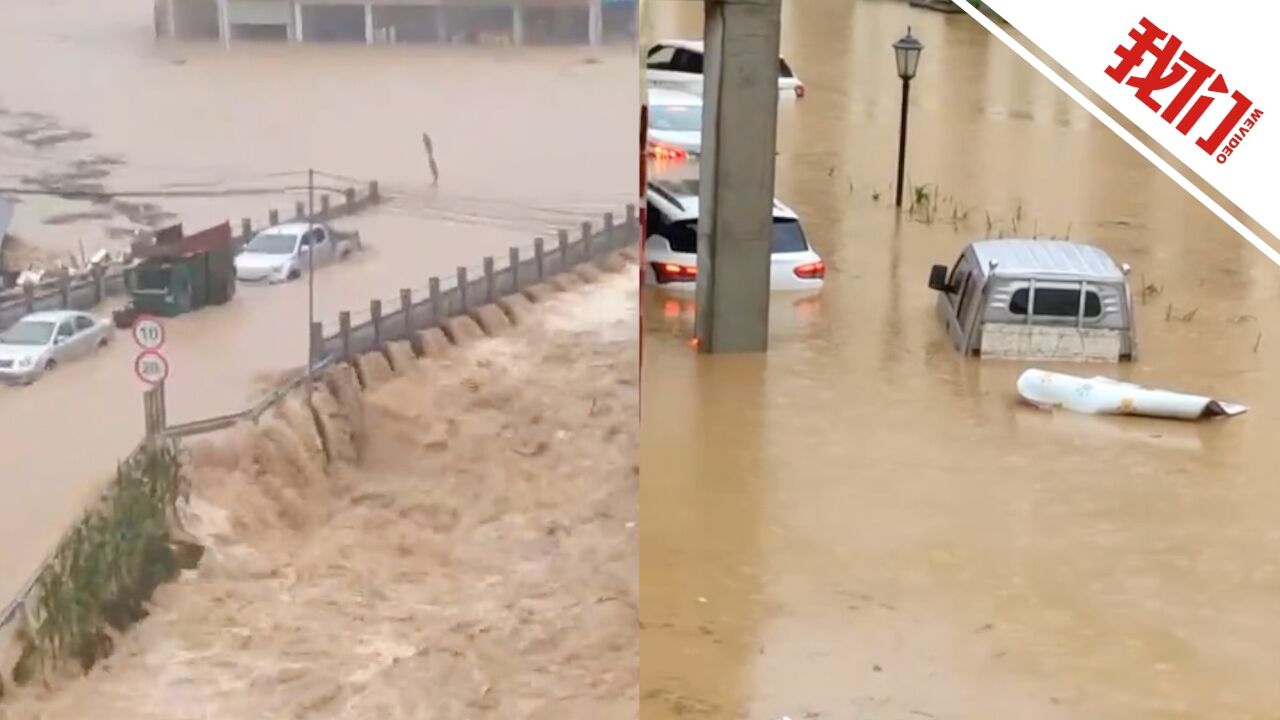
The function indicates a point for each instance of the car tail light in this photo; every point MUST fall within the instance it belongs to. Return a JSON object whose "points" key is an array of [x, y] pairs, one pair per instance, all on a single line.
{"points": [[659, 151], [799, 90], [671, 272], [812, 271]]}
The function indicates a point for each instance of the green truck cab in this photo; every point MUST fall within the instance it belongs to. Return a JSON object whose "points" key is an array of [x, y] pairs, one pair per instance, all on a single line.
{"points": [[178, 273]]}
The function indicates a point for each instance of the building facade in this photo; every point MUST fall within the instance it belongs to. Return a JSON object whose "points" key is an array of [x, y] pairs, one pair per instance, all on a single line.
{"points": [[514, 22]]}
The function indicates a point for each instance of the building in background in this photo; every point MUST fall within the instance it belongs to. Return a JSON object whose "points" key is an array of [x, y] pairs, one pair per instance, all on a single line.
{"points": [[514, 22]]}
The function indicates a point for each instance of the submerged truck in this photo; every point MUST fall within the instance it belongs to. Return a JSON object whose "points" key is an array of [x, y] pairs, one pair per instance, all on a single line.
{"points": [[179, 273], [1037, 300], [282, 253]]}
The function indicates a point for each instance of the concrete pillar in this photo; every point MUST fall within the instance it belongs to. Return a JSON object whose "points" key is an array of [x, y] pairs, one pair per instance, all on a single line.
{"points": [[297, 22], [442, 24], [595, 21], [224, 24], [517, 24], [740, 123], [368, 24]]}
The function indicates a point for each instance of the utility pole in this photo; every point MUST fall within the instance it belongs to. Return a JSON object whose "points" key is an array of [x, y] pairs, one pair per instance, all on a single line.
{"points": [[311, 278]]}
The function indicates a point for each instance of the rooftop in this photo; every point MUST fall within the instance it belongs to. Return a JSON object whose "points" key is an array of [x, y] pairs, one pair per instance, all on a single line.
{"points": [[51, 315], [683, 195], [696, 46], [693, 45], [288, 228], [1054, 257]]}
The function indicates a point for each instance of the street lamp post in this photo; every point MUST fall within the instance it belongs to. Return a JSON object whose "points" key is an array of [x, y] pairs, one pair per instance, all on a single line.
{"points": [[907, 53]]}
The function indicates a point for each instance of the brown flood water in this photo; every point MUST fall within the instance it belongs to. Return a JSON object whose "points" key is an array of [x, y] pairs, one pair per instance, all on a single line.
{"points": [[479, 561], [862, 524], [527, 141]]}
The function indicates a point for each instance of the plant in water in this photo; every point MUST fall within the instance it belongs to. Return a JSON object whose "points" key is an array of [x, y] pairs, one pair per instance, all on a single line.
{"points": [[924, 203], [107, 568], [1151, 291], [1188, 317]]}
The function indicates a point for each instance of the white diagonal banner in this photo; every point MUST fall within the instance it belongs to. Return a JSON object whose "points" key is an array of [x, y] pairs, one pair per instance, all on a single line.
{"points": [[1196, 77]]}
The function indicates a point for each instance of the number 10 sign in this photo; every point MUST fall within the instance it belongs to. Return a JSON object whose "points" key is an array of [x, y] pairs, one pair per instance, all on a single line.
{"points": [[148, 333], [150, 366]]}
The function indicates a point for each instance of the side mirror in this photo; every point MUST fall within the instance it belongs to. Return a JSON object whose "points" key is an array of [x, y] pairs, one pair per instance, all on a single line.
{"points": [[938, 279], [60, 339]]}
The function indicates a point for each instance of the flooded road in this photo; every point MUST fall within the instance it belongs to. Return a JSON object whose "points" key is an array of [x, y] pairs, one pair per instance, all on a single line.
{"points": [[863, 524], [527, 141]]}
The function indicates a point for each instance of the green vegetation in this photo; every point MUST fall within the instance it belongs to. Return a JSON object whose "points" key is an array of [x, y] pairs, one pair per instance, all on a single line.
{"points": [[929, 206], [106, 570]]}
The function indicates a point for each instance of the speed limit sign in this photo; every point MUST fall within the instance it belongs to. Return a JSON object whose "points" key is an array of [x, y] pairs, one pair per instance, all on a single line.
{"points": [[151, 367], [148, 333]]}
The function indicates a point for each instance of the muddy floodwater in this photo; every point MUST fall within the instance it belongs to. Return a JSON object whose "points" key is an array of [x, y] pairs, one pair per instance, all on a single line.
{"points": [[527, 141], [863, 524], [471, 552]]}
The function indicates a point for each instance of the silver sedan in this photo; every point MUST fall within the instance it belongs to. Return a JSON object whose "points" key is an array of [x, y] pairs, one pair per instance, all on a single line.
{"points": [[41, 341]]}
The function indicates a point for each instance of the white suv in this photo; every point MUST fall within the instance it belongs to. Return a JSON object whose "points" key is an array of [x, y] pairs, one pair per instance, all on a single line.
{"points": [[677, 64], [671, 249]]}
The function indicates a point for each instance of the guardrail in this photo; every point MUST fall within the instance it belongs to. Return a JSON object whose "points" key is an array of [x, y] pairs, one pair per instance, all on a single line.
{"points": [[251, 414], [446, 298], [89, 289], [469, 288]]}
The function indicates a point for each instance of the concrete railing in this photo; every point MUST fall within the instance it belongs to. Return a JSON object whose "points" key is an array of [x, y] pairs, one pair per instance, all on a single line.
{"points": [[88, 290], [467, 290]]}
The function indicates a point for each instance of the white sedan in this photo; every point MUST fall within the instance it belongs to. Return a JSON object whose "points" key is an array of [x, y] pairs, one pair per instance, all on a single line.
{"points": [[41, 341]]}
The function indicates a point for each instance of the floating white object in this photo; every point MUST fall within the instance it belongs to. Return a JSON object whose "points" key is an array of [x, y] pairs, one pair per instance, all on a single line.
{"points": [[1104, 396]]}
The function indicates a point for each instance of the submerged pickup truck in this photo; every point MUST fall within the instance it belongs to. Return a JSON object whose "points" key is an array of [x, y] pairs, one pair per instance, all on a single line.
{"points": [[281, 253], [1037, 299]]}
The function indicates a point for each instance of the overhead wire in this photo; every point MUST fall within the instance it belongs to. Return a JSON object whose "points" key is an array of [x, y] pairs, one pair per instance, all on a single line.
{"points": [[72, 193]]}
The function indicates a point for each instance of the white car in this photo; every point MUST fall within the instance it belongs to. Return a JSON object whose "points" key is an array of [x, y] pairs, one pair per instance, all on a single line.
{"points": [[671, 249], [279, 253], [677, 64], [41, 341], [675, 124]]}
